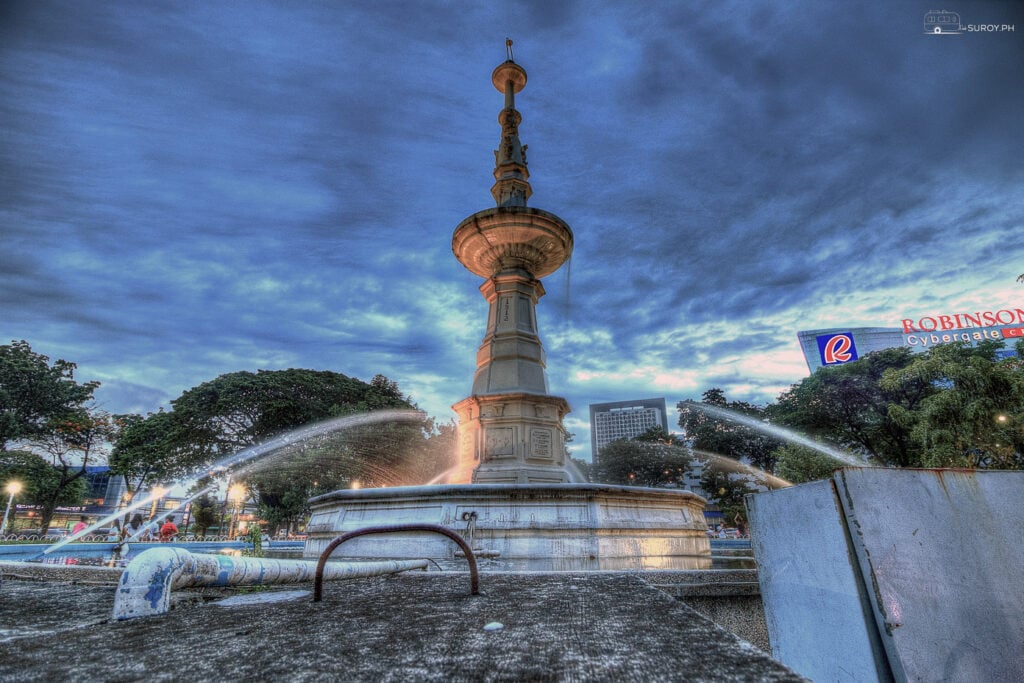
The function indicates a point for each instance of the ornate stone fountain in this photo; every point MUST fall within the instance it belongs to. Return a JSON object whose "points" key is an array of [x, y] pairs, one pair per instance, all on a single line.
{"points": [[510, 429], [512, 495]]}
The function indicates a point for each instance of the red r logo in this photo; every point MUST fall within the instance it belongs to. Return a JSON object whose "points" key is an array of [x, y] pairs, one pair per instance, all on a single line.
{"points": [[837, 349]]}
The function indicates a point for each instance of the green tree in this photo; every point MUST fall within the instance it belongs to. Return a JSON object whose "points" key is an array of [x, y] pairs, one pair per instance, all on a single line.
{"points": [[239, 409], [642, 463], [43, 408], [798, 464], [151, 450], [654, 435], [710, 427], [40, 480], [975, 417], [34, 394], [73, 441], [236, 411], [726, 488], [204, 511], [847, 406]]}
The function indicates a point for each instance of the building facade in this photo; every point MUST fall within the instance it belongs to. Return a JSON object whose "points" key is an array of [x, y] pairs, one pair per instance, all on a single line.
{"points": [[838, 345], [624, 420]]}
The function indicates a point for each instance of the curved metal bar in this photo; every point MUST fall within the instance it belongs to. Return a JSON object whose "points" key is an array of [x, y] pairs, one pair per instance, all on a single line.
{"points": [[318, 581]]}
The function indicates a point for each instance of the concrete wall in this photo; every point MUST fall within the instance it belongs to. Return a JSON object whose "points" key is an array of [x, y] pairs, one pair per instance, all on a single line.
{"points": [[911, 575]]}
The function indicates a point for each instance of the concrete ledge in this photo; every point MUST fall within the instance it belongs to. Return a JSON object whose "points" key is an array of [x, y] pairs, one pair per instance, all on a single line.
{"points": [[418, 626], [712, 590], [729, 597], [34, 571]]}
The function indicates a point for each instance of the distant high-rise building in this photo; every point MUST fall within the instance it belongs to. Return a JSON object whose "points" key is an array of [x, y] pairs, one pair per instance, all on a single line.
{"points": [[624, 420]]}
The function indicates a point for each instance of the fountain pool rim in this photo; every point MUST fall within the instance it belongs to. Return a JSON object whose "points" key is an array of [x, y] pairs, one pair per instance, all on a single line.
{"points": [[456, 491]]}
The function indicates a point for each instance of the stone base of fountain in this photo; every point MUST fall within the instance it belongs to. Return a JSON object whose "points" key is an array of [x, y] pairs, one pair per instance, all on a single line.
{"points": [[555, 527]]}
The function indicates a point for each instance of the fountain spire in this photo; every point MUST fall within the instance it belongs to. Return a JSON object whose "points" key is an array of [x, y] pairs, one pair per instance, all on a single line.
{"points": [[512, 184], [510, 428]]}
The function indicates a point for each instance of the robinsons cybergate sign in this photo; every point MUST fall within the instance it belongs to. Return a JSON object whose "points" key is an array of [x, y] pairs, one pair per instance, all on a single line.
{"points": [[965, 327]]}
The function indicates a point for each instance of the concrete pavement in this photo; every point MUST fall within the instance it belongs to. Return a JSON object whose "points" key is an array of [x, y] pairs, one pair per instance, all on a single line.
{"points": [[418, 626]]}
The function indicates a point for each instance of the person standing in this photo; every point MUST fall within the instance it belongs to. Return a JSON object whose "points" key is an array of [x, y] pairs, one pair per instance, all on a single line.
{"points": [[169, 530], [133, 530], [83, 522], [152, 530]]}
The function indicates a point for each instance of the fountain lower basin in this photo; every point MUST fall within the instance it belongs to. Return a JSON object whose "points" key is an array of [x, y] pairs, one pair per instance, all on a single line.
{"points": [[554, 527]]}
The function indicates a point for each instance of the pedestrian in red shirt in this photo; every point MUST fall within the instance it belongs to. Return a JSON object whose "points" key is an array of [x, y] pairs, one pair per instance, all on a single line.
{"points": [[169, 530]]}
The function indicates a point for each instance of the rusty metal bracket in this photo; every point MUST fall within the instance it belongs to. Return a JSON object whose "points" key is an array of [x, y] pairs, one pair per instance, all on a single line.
{"points": [[318, 581]]}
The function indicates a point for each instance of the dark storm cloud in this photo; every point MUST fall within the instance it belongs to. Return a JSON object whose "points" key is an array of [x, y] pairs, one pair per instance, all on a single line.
{"points": [[800, 140], [193, 189]]}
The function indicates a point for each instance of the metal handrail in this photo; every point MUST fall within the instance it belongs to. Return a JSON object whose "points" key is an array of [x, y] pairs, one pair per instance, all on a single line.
{"points": [[318, 581]]}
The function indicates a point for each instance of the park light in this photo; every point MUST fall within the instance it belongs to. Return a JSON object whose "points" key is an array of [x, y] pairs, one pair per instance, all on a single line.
{"points": [[157, 492], [237, 493], [14, 488]]}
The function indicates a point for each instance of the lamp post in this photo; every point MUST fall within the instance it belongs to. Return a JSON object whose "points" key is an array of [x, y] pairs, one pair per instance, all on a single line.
{"points": [[13, 488], [237, 494], [157, 492]]}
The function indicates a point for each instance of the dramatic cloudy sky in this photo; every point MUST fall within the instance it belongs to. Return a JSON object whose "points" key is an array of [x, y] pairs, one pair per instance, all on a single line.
{"points": [[194, 188]]}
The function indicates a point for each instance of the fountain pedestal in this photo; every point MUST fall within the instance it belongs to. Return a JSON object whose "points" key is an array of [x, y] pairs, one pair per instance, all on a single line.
{"points": [[550, 527], [515, 438]]}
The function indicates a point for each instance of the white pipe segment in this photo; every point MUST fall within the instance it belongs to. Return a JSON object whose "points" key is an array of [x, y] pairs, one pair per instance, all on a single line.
{"points": [[147, 581]]}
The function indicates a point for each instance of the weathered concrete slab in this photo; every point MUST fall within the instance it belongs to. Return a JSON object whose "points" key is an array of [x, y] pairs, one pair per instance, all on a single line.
{"points": [[941, 553], [729, 597], [931, 559], [816, 608], [423, 627]]}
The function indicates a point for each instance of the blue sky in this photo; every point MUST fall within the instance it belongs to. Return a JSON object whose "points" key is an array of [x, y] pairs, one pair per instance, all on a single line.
{"points": [[194, 188]]}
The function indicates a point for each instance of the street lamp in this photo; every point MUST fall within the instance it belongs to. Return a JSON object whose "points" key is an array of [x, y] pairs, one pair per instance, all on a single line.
{"points": [[237, 494], [157, 492], [13, 488]]}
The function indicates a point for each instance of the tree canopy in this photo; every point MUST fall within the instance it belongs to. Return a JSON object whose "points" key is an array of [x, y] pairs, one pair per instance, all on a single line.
{"points": [[953, 405], [35, 395], [44, 409], [975, 417], [708, 427], [41, 481], [726, 488], [641, 462], [798, 464], [151, 450], [847, 407], [218, 419]]}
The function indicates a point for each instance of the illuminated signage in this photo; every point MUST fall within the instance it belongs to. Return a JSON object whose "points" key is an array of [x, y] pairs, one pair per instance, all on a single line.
{"points": [[836, 348], [959, 321], [963, 327]]}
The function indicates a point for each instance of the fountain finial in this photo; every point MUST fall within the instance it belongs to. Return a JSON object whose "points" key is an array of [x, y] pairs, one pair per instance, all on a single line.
{"points": [[512, 187]]}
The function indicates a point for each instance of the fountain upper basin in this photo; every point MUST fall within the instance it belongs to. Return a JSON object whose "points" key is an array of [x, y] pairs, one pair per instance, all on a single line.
{"points": [[534, 526], [509, 237]]}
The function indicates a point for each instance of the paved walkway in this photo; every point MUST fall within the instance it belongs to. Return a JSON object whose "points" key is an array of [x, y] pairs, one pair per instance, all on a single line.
{"points": [[418, 626]]}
